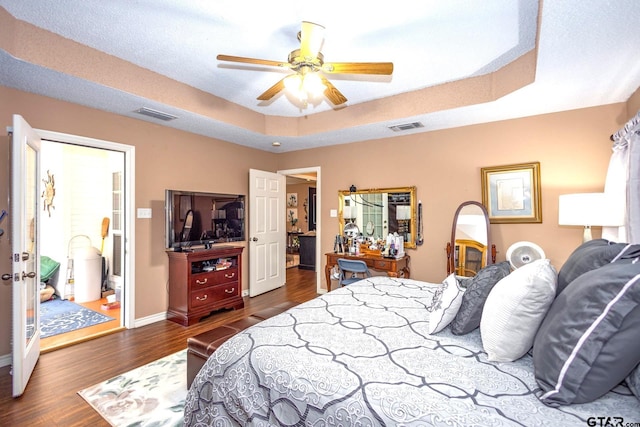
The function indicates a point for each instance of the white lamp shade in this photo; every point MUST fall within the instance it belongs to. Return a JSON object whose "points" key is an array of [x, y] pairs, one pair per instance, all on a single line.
{"points": [[346, 212], [587, 209], [403, 212]]}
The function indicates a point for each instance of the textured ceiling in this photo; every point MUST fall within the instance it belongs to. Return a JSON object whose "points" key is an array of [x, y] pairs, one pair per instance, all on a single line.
{"points": [[538, 58]]}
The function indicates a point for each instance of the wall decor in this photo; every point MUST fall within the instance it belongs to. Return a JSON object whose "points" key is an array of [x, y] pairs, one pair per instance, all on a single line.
{"points": [[292, 217], [292, 200], [511, 193], [49, 192]]}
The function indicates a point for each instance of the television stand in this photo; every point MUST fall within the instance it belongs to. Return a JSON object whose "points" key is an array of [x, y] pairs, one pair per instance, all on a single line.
{"points": [[202, 281]]}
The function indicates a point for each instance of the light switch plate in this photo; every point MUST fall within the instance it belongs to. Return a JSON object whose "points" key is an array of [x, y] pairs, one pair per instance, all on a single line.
{"points": [[333, 213], [144, 212]]}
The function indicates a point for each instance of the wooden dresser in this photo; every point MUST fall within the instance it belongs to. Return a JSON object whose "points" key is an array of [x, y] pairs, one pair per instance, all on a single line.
{"points": [[202, 281], [394, 267]]}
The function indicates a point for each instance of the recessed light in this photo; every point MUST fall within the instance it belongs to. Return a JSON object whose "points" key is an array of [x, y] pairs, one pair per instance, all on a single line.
{"points": [[275, 144]]}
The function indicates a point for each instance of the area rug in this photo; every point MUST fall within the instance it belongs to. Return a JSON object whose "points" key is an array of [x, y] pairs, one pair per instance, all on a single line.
{"points": [[151, 395], [59, 316]]}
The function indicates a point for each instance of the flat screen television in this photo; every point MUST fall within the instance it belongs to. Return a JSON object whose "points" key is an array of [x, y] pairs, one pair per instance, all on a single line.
{"points": [[202, 219]]}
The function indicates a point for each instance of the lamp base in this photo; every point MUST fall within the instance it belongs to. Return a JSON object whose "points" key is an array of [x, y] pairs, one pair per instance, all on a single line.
{"points": [[586, 236]]}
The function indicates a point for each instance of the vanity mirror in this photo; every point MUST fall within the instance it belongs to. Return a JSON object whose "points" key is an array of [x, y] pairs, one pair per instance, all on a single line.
{"points": [[380, 211], [470, 248]]}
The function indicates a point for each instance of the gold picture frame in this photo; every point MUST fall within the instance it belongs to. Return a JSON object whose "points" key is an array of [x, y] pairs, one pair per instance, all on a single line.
{"points": [[511, 193]]}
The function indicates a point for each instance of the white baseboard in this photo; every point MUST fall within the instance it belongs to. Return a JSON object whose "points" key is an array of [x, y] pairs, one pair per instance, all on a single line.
{"points": [[143, 321], [6, 360]]}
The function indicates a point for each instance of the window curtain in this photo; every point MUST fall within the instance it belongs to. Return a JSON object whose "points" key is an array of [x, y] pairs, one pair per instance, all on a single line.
{"points": [[623, 182]]}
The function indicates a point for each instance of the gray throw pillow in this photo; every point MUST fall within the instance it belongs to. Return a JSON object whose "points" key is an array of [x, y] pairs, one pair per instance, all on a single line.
{"points": [[633, 381], [588, 343], [591, 255], [468, 317]]}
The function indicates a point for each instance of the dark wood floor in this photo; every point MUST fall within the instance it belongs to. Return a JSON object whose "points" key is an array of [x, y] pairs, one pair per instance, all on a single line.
{"points": [[51, 397]]}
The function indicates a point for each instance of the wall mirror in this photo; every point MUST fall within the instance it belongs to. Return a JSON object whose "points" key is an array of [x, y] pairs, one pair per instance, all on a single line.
{"points": [[470, 248], [378, 212]]}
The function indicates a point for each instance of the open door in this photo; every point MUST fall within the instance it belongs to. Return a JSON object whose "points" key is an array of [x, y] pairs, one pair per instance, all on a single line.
{"points": [[25, 252], [267, 234]]}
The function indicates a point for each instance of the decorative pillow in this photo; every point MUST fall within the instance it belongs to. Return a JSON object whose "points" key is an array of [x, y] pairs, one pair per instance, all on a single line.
{"points": [[591, 255], [588, 342], [445, 305], [633, 381], [478, 288], [515, 309]]}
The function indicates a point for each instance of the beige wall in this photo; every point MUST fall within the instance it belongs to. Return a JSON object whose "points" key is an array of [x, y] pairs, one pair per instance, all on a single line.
{"points": [[572, 147], [161, 155]]}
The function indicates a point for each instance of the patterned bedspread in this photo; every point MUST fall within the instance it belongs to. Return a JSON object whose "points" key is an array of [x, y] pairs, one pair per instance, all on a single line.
{"points": [[361, 356]]}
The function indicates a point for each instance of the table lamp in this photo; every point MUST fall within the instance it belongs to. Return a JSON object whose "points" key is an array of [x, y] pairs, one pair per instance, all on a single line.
{"points": [[589, 209]]}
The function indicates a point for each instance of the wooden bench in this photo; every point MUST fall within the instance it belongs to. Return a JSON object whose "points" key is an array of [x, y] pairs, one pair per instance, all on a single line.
{"points": [[201, 346]]}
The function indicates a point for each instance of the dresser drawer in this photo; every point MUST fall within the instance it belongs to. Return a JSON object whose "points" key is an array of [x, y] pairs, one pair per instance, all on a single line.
{"points": [[212, 278], [214, 295], [382, 264]]}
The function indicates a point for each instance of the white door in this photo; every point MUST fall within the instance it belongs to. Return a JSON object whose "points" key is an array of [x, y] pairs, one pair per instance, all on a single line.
{"points": [[267, 232], [25, 253]]}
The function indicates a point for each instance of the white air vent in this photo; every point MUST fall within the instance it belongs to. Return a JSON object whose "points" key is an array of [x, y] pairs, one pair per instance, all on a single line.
{"points": [[156, 114], [406, 126]]}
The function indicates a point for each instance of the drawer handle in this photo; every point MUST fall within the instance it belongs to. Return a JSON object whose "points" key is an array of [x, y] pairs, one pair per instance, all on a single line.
{"points": [[201, 282], [203, 298], [230, 291], [230, 276]]}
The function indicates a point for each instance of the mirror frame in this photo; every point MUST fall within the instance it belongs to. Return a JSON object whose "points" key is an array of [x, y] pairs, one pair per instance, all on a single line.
{"points": [[490, 253], [342, 194]]}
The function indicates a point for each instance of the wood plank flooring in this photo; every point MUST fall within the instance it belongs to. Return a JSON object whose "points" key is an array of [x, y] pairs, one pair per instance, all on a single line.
{"points": [[51, 397]]}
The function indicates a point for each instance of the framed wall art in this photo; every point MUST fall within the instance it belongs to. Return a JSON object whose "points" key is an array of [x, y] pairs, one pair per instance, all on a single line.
{"points": [[511, 193], [292, 200]]}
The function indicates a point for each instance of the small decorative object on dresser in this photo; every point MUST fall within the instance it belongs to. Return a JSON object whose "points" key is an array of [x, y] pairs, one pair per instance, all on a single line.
{"points": [[202, 281]]}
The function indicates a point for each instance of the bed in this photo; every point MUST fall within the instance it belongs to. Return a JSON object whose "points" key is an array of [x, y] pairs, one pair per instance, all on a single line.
{"points": [[382, 351], [366, 355]]}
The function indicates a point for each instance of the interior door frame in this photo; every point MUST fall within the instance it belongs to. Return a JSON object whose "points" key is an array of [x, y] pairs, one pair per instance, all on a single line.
{"points": [[319, 259], [128, 300]]}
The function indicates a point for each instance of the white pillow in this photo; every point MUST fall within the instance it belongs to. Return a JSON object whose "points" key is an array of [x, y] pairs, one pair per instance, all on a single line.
{"points": [[515, 309], [445, 305]]}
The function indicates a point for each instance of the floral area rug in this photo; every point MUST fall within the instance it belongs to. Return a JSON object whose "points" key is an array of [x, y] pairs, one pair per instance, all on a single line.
{"points": [[59, 316], [151, 395]]}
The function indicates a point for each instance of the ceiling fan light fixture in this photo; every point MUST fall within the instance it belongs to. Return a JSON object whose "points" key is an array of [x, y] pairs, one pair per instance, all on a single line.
{"points": [[304, 86], [293, 83], [312, 84]]}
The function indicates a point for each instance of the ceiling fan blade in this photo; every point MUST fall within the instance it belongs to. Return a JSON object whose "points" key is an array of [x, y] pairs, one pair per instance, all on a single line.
{"points": [[335, 96], [384, 68], [272, 91], [311, 37], [242, 59]]}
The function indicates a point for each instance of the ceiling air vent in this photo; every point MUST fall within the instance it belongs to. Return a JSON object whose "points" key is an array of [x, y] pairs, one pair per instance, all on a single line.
{"points": [[156, 114], [406, 126]]}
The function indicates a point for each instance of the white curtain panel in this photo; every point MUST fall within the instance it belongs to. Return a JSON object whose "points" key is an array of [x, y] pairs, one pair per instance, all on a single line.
{"points": [[623, 181]]}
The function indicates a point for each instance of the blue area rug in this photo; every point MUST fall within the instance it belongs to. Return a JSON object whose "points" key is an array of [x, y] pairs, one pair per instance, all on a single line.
{"points": [[59, 316]]}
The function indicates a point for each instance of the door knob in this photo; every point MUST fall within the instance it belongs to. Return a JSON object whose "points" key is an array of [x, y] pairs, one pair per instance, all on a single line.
{"points": [[6, 276], [255, 239], [30, 275]]}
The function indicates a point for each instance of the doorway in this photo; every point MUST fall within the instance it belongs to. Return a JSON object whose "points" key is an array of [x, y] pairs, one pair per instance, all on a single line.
{"points": [[84, 229], [308, 209]]}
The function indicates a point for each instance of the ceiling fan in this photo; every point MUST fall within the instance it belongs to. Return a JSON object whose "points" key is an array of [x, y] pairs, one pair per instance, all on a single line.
{"points": [[309, 66]]}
